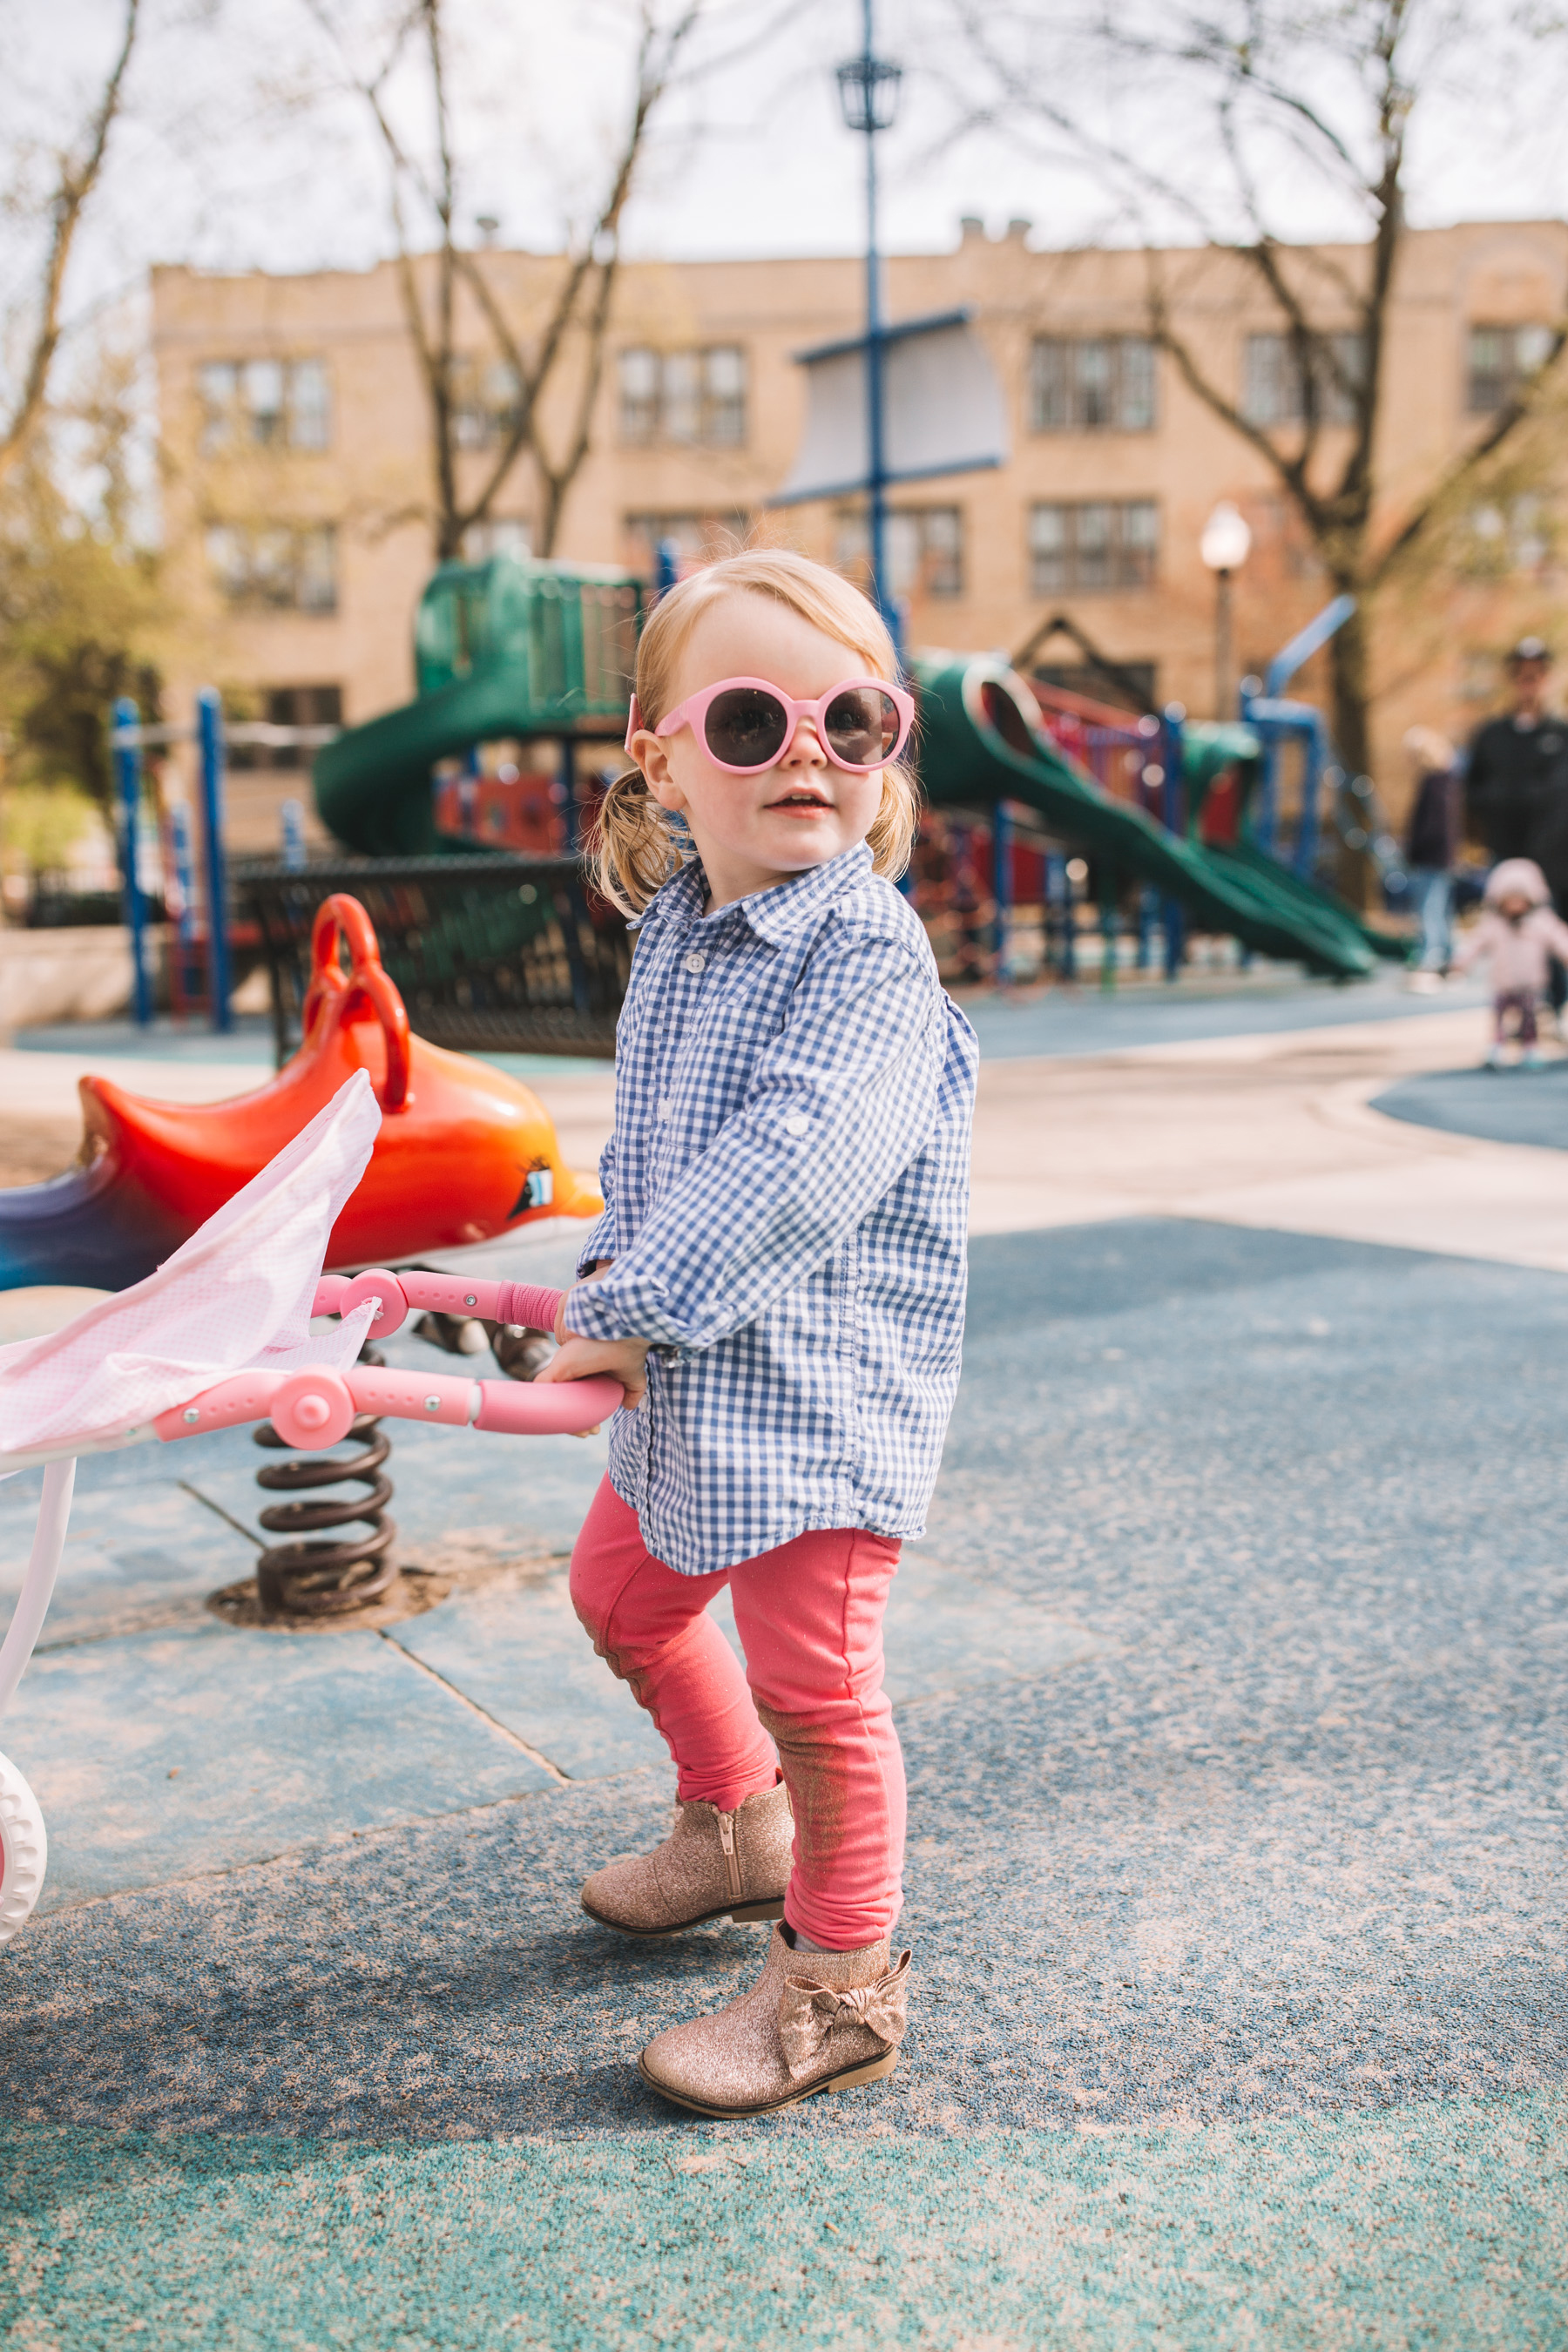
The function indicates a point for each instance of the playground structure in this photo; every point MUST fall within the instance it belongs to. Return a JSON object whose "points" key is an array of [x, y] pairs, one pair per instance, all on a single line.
{"points": [[501, 650], [463, 1154], [257, 1252], [498, 652], [985, 747], [498, 941]]}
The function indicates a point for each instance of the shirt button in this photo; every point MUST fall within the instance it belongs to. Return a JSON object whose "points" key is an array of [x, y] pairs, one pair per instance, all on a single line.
{"points": [[664, 1107], [696, 961], [797, 1123]]}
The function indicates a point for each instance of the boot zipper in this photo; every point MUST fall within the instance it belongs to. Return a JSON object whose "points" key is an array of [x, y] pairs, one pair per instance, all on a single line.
{"points": [[727, 1840]]}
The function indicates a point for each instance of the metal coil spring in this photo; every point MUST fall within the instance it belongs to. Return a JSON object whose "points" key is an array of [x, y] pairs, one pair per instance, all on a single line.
{"points": [[310, 1577]]}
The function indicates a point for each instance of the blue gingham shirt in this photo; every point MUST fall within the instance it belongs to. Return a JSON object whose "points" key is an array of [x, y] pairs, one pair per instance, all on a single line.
{"points": [[787, 1194]]}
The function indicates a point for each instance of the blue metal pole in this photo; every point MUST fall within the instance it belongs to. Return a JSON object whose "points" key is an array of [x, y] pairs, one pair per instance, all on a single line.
{"points": [[293, 816], [185, 880], [1001, 880], [128, 778], [1173, 915], [875, 456], [665, 566], [209, 737]]}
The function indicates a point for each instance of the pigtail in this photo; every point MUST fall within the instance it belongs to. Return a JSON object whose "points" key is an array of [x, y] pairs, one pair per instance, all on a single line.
{"points": [[632, 842], [891, 839]]}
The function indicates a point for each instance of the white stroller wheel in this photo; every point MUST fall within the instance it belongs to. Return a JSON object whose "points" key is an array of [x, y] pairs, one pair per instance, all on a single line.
{"points": [[24, 1850]]}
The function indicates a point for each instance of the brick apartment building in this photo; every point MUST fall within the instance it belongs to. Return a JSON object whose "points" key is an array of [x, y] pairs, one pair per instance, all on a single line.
{"points": [[296, 464]]}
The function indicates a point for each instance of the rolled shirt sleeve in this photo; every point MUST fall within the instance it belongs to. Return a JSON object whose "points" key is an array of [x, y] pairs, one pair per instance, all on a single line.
{"points": [[600, 1243], [841, 1101]]}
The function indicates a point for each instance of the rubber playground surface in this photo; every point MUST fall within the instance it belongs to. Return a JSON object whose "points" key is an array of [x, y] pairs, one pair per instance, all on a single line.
{"points": [[1230, 1683]]}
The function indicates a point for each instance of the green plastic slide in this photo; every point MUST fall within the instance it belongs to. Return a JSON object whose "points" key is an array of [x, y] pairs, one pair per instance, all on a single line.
{"points": [[982, 741], [501, 649]]}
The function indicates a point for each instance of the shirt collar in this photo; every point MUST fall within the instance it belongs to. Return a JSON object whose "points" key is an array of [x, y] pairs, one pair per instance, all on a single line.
{"points": [[775, 915]]}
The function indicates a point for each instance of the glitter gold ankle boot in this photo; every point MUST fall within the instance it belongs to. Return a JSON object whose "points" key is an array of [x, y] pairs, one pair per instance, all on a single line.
{"points": [[814, 2022], [711, 1865]]}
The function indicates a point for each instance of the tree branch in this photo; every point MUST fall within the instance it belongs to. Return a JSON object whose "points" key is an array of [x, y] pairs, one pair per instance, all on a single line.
{"points": [[77, 182], [653, 73], [1507, 421]]}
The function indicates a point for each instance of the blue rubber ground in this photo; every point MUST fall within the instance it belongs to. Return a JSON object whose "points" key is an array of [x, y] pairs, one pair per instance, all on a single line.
{"points": [[1231, 1688], [1510, 1106]]}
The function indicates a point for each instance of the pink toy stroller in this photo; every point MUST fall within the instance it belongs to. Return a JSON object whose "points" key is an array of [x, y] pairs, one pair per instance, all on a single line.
{"points": [[221, 1335]]}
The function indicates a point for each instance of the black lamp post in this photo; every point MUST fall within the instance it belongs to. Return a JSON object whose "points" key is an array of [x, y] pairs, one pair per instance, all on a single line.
{"points": [[869, 93]]}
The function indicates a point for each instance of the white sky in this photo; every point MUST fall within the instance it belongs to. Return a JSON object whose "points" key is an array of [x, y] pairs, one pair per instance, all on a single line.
{"points": [[230, 156]]}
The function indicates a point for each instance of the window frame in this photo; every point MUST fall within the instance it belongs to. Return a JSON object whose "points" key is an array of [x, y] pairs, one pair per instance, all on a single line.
{"points": [[1336, 408], [914, 549], [1061, 376], [267, 568], [1516, 368], [683, 400], [231, 415], [1103, 547]]}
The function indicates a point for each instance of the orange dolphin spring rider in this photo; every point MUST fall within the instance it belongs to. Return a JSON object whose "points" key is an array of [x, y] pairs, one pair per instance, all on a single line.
{"points": [[464, 1152]]}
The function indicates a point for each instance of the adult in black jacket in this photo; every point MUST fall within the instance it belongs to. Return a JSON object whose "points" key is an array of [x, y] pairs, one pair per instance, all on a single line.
{"points": [[1516, 783]]}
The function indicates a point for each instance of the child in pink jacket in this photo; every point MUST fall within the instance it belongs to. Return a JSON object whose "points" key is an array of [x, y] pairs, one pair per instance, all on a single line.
{"points": [[1518, 934]]}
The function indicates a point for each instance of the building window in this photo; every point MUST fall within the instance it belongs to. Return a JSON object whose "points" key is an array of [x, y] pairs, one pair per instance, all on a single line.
{"points": [[1508, 536], [500, 535], [278, 567], [1100, 544], [1274, 388], [264, 404], [281, 705], [698, 539], [693, 398], [925, 549], [486, 402], [1105, 384], [1501, 360]]}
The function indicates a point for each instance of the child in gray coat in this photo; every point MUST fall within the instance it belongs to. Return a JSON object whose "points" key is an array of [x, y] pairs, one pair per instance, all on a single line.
{"points": [[1518, 934]]}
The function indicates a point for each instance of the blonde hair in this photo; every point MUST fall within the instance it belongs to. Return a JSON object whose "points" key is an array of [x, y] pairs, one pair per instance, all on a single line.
{"points": [[635, 843]]}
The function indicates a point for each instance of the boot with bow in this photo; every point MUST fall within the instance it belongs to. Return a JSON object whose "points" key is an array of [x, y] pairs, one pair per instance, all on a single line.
{"points": [[814, 2022], [711, 1865]]}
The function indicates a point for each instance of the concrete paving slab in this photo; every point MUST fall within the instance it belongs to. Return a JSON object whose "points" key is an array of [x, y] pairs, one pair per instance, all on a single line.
{"points": [[137, 1550], [518, 1650], [160, 1756], [140, 1543]]}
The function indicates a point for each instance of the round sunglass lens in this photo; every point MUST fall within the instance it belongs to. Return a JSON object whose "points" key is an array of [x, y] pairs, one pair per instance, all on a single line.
{"points": [[862, 725], [745, 728]]}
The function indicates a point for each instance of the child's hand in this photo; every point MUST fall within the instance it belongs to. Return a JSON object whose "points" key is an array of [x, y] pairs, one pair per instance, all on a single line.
{"points": [[617, 1360]]}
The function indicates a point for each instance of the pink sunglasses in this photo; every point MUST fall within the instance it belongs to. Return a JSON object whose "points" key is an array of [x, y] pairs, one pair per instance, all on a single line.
{"points": [[746, 724]]}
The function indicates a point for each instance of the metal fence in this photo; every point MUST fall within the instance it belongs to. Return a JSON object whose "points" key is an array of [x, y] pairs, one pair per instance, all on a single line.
{"points": [[494, 953]]}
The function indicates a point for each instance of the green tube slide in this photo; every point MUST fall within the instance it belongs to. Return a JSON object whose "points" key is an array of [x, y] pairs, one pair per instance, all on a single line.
{"points": [[372, 784], [982, 741]]}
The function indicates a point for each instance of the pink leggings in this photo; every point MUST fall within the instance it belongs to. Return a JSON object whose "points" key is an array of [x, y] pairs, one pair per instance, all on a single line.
{"points": [[809, 1614]]}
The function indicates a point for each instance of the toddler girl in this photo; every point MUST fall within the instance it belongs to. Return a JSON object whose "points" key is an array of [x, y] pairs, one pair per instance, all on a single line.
{"points": [[1518, 934], [778, 1279]]}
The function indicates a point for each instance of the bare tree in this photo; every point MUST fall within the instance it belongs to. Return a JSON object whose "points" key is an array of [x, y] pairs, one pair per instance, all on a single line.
{"points": [[1275, 96], [577, 318], [76, 176]]}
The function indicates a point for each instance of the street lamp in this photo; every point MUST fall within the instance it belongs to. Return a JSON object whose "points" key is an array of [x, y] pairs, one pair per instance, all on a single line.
{"points": [[1224, 547], [868, 94]]}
